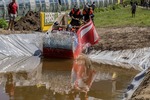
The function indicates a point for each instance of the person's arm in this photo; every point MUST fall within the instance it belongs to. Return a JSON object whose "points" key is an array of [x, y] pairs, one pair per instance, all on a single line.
{"points": [[8, 9], [17, 9], [81, 16], [91, 14], [70, 14]]}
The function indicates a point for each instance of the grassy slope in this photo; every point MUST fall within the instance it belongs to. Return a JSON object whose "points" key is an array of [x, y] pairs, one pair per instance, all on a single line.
{"points": [[122, 17]]}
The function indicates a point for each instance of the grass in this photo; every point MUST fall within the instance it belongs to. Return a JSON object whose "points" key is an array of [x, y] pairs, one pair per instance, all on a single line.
{"points": [[122, 17]]}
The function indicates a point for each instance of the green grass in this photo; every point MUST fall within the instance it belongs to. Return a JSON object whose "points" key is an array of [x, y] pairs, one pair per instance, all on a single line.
{"points": [[122, 17]]}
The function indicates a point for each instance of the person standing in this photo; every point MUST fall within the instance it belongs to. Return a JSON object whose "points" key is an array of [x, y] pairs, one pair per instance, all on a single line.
{"points": [[133, 9], [131, 2], [75, 15], [93, 6], [12, 12], [87, 13]]}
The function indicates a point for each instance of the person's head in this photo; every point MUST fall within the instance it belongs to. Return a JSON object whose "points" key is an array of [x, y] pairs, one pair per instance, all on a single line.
{"points": [[94, 2], [56, 23], [75, 7], [86, 7], [13, 0], [135, 2]]}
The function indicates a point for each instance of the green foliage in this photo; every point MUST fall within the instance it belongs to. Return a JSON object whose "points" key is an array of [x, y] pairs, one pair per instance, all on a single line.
{"points": [[18, 18], [122, 17], [110, 7], [3, 23]]}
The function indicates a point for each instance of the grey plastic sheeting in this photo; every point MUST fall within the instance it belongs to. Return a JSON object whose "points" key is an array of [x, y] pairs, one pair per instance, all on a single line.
{"points": [[19, 67], [139, 59], [17, 50], [20, 44], [17, 64]]}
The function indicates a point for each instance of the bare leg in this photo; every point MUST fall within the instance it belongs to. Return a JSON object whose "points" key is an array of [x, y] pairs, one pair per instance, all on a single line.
{"points": [[12, 25], [9, 25]]}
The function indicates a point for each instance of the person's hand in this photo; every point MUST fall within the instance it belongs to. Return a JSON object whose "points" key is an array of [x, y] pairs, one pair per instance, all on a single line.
{"points": [[76, 19]]}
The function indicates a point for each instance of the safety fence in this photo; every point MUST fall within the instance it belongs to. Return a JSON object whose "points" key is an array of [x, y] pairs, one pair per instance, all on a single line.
{"points": [[49, 5]]}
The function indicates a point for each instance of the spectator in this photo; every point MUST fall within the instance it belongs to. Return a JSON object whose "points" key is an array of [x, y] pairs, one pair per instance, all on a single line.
{"points": [[12, 12], [93, 6], [133, 9], [147, 4], [87, 13], [75, 14], [131, 3]]}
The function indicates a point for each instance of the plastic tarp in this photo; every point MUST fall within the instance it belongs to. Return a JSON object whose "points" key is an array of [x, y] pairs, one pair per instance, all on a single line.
{"points": [[138, 59], [17, 52], [137, 80], [17, 64], [20, 44], [28, 65]]}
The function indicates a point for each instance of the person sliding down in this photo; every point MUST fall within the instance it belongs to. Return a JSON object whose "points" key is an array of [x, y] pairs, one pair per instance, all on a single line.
{"points": [[57, 27], [87, 13], [75, 15]]}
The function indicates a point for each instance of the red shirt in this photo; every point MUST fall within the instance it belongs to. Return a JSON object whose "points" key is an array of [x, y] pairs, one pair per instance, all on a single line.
{"points": [[13, 7]]}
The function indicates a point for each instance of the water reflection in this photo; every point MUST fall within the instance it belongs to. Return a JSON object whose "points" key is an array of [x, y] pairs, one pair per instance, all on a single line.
{"points": [[82, 75], [10, 86], [57, 79]]}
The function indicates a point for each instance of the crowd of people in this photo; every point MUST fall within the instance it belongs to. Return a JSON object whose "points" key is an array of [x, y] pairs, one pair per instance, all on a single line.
{"points": [[86, 14], [78, 17]]}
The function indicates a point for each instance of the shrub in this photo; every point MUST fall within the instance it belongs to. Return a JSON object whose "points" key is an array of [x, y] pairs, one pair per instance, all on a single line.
{"points": [[101, 9], [3, 23]]}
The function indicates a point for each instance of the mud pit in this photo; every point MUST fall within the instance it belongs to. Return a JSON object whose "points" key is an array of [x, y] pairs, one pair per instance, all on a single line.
{"points": [[121, 39]]}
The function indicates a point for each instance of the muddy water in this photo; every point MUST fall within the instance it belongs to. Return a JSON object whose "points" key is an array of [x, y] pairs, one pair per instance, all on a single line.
{"points": [[52, 81]]}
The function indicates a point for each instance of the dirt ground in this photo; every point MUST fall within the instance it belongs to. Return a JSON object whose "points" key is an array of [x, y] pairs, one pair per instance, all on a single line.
{"points": [[121, 39], [31, 21]]}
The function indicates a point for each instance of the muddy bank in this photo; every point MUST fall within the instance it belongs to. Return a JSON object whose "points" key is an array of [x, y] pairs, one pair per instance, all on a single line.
{"points": [[143, 92], [6, 32], [123, 38], [31, 21]]}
